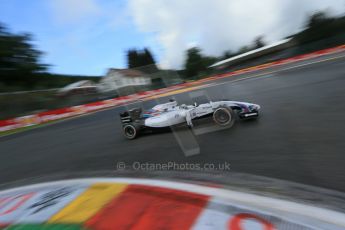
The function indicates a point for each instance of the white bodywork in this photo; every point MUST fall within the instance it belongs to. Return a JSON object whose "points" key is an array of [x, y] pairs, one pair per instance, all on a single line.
{"points": [[169, 114]]}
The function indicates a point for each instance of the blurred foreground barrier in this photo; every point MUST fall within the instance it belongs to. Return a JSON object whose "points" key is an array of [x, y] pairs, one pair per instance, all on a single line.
{"points": [[116, 203]]}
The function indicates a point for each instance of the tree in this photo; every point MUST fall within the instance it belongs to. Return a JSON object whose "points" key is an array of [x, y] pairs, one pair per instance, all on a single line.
{"points": [[243, 49], [318, 18], [207, 61], [194, 62], [258, 42], [320, 26], [19, 60], [148, 57], [226, 55], [132, 58], [140, 58]]}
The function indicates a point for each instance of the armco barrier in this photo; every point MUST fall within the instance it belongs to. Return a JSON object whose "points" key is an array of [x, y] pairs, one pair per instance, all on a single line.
{"points": [[53, 115]]}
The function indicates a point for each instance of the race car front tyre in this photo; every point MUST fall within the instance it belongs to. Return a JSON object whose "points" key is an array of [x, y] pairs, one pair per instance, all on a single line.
{"points": [[130, 131], [224, 116]]}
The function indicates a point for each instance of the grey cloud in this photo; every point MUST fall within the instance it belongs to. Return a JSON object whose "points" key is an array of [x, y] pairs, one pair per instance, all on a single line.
{"points": [[221, 24]]}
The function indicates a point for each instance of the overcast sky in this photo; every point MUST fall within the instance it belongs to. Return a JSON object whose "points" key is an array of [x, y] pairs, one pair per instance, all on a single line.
{"points": [[89, 36]]}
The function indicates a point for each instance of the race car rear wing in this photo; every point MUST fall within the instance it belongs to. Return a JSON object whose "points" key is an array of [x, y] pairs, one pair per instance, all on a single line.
{"points": [[130, 115]]}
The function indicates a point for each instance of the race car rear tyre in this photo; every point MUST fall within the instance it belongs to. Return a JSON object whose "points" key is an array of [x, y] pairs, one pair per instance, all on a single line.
{"points": [[224, 116], [130, 131]]}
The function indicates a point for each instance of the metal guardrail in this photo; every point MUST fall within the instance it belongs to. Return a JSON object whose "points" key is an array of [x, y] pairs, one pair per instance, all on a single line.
{"points": [[29, 91], [21, 103]]}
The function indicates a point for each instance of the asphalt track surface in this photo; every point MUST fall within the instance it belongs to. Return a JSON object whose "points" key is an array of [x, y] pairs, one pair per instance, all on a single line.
{"points": [[299, 137]]}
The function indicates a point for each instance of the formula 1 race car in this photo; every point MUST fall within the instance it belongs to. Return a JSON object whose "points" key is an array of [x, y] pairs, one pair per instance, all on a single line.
{"points": [[171, 114]]}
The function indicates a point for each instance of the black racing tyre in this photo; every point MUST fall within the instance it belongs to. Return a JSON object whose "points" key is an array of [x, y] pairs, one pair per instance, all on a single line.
{"points": [[130, 131], [224, 116]]}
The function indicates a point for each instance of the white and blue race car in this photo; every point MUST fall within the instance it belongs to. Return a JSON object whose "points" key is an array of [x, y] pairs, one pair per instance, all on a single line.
{"points": [[170, 114]]}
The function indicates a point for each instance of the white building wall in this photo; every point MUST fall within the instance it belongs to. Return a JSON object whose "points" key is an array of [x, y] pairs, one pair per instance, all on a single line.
{"points": [[115, 80]]}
